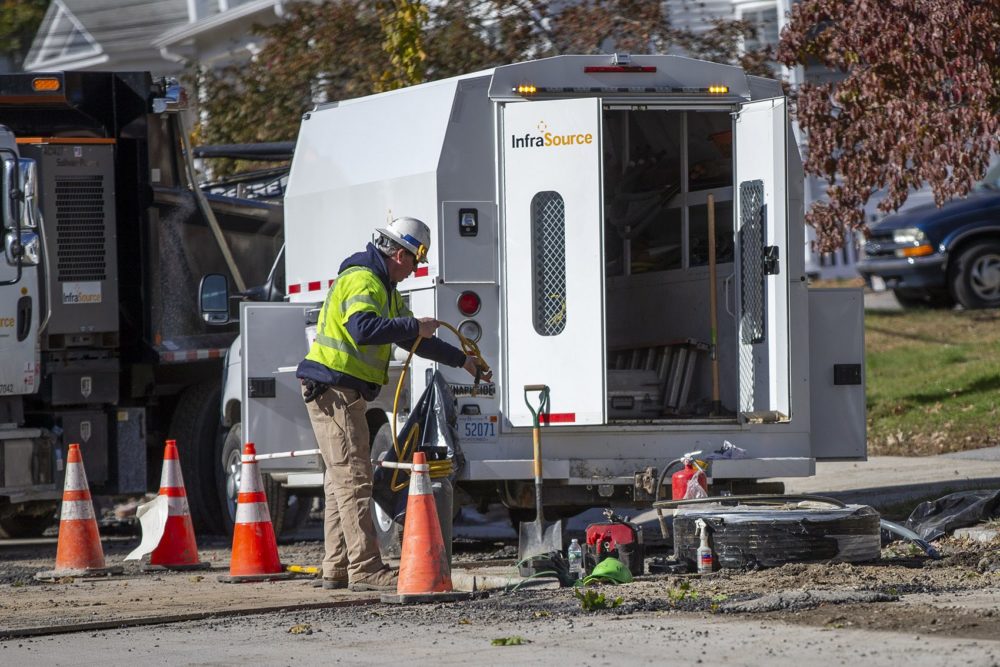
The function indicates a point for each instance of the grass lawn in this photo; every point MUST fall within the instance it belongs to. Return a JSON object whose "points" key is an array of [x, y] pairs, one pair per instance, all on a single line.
{"points": [[933, 381]]}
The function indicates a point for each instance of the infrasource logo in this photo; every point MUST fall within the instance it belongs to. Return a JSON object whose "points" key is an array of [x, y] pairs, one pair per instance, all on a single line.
{"points": [[545, 138]]}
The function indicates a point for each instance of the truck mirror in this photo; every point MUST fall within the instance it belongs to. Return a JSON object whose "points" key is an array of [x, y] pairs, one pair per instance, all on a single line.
{"points": [[30, 213], [213, 298], [26, 249], [9, 185]]}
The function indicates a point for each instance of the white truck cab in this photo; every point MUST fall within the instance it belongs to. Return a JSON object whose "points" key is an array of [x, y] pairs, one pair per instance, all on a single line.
{"points": [[569, 201]]}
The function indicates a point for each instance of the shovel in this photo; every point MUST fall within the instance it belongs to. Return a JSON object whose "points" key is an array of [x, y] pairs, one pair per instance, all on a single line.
{"points": [[536, 538]]}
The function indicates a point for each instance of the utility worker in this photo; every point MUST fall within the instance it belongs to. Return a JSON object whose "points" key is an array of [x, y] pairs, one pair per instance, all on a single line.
{"points": [[346, 366]]}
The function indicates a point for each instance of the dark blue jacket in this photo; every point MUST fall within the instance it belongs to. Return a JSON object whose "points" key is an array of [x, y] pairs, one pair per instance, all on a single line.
{"points": [[368, 328]]}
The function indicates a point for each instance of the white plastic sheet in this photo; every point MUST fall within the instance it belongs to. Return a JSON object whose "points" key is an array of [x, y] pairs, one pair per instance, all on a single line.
{"points": [[153, 519]]}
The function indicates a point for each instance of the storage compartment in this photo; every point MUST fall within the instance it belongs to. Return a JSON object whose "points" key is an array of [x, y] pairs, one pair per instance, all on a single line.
{"points": [[661, 169]]}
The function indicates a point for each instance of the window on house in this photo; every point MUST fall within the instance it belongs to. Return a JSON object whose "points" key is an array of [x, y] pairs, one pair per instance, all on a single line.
{"points": [[765, 19]]}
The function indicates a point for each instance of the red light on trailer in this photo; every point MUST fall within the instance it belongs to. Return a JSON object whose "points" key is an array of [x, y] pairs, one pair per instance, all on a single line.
{"points": [[469, 303]]}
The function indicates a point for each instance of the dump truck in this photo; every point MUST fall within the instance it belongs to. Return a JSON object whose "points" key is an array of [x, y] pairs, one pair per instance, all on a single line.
{"points": [[101, 341], [586, 214]]}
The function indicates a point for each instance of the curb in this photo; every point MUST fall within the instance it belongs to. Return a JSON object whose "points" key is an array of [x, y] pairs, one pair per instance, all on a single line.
{"points": [[41, 631], [978, 534], [892, 497]]}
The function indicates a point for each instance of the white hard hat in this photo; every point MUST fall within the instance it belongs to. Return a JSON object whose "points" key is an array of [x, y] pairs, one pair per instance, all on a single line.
{"points": [[410, 233]]}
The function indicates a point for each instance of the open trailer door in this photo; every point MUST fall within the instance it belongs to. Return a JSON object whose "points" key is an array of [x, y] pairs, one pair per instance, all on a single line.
{"points": [[762, 254], [553, 281]]}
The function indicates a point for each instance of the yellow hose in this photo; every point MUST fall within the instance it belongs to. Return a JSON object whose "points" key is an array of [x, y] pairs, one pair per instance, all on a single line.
{"points": [[438, 469]]}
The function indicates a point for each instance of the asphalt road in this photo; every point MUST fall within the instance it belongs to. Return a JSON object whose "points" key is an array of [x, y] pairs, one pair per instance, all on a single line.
{"points": [[604, 639]]}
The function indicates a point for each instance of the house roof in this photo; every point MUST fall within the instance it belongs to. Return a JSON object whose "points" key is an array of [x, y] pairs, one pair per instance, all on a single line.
{"points": [[81, 34], [248, 10]]}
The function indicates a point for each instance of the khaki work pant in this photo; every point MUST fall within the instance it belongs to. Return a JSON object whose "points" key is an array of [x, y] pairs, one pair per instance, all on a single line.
{"points": [[338, 420]]}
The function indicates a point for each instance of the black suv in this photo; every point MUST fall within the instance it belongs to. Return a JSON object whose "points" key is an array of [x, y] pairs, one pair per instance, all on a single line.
{"points": [[930, 256]]}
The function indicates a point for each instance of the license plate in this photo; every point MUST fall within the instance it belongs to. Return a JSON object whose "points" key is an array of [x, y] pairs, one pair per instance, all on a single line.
{"points": [[878, 284], [477, 428]]}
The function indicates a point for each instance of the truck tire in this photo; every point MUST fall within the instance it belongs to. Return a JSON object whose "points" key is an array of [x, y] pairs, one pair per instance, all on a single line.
{"points": [[975, 276], [388, 532], [195, 427], [30, 520], [288, 511]]}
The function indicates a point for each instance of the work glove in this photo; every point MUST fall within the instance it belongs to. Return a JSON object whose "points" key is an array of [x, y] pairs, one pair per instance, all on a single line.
{"points": [[313, 390]]}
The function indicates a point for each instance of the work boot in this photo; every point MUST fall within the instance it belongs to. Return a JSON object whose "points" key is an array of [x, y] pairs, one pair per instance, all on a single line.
{"points": [[330, 584], [382, 580]]}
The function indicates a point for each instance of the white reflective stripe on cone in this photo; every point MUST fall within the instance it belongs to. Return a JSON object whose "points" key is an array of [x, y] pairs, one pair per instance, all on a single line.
{"points": [[76, 510], [420, 484], [76, 478], [177, 506], [171, 475], [252, 513], [250, 481]]}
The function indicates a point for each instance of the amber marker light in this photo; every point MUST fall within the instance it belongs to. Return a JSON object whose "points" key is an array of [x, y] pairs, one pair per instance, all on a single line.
{"points": [[916, 251], [45, 85], [718, 90]]}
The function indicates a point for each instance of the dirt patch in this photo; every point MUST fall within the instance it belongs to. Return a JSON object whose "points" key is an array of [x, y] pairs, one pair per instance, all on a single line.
{"points": [[903, 591]]}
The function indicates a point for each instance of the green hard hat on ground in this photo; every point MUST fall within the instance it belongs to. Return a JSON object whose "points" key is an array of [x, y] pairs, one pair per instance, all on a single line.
{"points": [[609, 571]]}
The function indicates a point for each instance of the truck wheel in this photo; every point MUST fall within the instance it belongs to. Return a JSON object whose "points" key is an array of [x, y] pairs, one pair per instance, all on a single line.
{"points": [[195, 427], [388, 532], [975, 276], [288, 511], [31, 520]]}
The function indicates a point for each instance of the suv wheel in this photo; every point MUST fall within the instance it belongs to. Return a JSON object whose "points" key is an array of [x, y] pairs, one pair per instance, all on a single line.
{"points": [[975, 276]]}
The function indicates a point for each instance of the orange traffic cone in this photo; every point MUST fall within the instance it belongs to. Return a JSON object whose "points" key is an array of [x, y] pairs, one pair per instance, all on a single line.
{"points": [[424, 570], [177, 549], [255, 551], [79, 553]]}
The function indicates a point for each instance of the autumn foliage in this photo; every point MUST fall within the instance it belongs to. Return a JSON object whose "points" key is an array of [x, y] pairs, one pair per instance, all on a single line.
{"points": [[917, 100], [348, 48]]}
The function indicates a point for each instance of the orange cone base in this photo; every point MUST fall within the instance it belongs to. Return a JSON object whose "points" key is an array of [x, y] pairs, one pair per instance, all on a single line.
{"points": [[423, 562], [56, 575], [152, 567], [251, 578], [177, 550], [423, 598], [79, 553], [255, 555]]}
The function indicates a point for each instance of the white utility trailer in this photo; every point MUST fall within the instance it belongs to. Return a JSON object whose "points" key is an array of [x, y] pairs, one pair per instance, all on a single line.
{"points": [[568, 205]]}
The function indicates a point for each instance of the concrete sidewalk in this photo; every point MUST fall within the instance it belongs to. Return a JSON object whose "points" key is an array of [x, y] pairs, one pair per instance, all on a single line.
{"points": [[895, 484]]}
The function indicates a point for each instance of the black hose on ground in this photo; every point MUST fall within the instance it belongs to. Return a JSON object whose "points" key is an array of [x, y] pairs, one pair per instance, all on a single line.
{"points": [[664, 531]]}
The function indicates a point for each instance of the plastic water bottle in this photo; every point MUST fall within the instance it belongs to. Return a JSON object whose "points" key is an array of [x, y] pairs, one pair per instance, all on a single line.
{"points": [[574, 554]]}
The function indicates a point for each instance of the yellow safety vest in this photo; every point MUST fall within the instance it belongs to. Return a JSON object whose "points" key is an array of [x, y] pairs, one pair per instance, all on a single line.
{"points": [[356, 290]]}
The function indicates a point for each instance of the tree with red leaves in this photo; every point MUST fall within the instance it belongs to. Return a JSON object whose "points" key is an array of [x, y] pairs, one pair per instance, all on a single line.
{"points": [[346, 48], [919, 101]]}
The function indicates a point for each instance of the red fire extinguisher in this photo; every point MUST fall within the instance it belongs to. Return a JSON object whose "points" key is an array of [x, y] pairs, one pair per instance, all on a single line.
{"points": [[679, 480]]}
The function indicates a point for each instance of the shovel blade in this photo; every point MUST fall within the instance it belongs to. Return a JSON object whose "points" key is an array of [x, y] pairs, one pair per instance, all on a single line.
{"points": [[536, 538]]}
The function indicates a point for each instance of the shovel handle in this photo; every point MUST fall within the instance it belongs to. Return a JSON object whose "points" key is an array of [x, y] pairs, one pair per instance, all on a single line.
{"points": [[543, 400], [536, 437]]}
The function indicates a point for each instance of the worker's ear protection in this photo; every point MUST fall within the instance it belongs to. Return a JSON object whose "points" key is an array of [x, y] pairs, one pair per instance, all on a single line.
{"points": [[421, 253]]}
